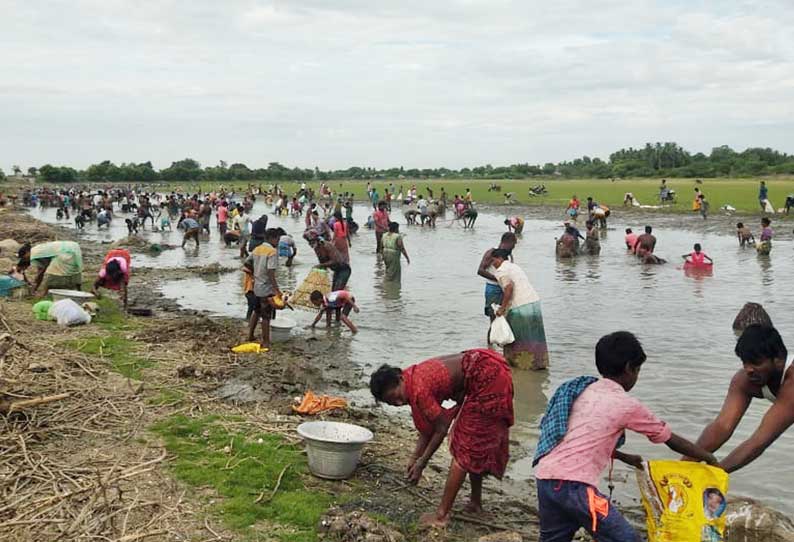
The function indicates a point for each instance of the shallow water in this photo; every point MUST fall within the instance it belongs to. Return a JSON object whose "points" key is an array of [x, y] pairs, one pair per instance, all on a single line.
{"points": [[684, 323]]}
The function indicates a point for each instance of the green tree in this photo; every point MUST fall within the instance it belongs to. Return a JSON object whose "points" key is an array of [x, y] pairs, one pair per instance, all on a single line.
{"points": [[33, 171], [187, 170], [58, 175]]}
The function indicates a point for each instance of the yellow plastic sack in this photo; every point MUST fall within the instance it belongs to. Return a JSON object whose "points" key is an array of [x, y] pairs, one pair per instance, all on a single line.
{"points": [[248, 348], [684, 501]]}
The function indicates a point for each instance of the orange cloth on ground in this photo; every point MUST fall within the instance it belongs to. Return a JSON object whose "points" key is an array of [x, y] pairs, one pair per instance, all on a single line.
{"points": [[314, 404]]}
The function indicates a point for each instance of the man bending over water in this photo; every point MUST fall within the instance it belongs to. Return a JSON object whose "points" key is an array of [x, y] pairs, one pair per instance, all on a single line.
{"points": [[766, 374]]}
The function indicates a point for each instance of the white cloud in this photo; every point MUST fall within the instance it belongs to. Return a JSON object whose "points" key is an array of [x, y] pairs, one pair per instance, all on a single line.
{"points": [[459, 82]]}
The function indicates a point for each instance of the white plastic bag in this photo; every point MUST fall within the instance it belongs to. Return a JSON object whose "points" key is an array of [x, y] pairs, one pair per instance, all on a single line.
{"points": [[69, 313], [501, 333]]}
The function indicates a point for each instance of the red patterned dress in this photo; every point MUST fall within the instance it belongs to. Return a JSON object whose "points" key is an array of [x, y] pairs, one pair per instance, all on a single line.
{"points": [[479, 437]]}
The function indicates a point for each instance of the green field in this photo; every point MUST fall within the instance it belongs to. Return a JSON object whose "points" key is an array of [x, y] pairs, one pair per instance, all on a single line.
{"points": [[739, 193]]}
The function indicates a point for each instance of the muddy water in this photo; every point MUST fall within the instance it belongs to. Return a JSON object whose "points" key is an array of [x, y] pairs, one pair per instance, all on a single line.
{"points": [[684, 323]]}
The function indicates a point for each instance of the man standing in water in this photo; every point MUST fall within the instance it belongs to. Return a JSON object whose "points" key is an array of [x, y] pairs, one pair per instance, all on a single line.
{"points": [[766, 374], [646, 242], [493, 292], [381, 219]]}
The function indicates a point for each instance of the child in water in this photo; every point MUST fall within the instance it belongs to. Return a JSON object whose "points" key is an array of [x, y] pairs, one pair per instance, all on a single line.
{"points": [[339, 301], [744, 235], [697, 257]]}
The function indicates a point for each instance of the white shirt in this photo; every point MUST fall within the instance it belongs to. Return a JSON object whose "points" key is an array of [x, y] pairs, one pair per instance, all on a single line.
{"points": [[241, 223], [523, 292]]}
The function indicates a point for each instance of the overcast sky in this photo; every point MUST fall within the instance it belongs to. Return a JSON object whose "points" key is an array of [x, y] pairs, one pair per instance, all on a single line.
{"points": [[380, 83]]}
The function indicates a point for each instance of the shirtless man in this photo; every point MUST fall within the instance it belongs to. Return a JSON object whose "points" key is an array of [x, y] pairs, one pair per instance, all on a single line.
{"points": [[493, 293], [646, 242], [766, 374]]}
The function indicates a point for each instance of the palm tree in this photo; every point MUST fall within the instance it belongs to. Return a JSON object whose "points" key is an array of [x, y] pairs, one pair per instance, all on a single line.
{"points": [[17, 170]]}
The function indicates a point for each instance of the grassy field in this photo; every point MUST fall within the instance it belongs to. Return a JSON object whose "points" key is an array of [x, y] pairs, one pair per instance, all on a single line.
{"points": [[739, 193]]}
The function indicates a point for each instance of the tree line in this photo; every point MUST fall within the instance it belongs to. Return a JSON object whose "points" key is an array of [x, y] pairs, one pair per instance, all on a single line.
{"points": [[652, 160]]}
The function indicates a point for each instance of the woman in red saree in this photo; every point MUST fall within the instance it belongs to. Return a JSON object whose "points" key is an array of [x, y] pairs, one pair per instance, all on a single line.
{"points": [[480, 383]]}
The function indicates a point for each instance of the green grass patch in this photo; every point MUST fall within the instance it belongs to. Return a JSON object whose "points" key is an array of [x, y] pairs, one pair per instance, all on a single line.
{"points": [[240, 468], [112, 317], [117, 350], [166, 397], [741, 193]]}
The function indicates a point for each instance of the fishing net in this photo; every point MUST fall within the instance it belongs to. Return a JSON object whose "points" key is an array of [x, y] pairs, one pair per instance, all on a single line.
{"points": [[317, 279]]}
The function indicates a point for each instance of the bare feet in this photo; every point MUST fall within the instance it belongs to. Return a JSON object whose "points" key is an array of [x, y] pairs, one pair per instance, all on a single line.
{"points": [[473, 508], [431, 519]]}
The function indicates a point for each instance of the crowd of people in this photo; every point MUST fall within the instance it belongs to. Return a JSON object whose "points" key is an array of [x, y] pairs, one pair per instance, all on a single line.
{"points": [[586, 418]]}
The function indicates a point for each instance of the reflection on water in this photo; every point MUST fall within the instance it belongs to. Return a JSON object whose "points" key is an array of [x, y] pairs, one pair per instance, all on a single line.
{"points": [[683, 322], [765, 264]]}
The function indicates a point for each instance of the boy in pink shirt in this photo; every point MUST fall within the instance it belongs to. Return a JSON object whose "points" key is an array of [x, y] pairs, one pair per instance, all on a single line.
{"points": [[583, 426]]}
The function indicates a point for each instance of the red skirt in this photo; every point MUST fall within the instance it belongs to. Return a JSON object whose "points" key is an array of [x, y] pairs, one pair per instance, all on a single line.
{"points": [[480, 436]]}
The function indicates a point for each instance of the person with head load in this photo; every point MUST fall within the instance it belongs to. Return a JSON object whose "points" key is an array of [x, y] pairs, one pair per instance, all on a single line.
{"points": [[58, 264], [580, 434], [521, 306], [114, 273], [766, 374], [480, 383]]}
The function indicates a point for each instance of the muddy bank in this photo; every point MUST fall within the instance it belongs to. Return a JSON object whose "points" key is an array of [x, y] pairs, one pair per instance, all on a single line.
{"points": [[189, 371]]}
